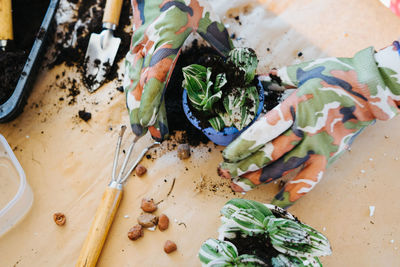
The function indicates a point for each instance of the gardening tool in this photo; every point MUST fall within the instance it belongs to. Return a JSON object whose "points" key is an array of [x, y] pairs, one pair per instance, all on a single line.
{"points": [[105, 212], [102, 47], [6, 29]]}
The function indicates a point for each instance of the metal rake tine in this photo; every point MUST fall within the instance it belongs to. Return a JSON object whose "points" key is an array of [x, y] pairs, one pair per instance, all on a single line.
{"points": [[117, 149], [144, 151], [128, 155]]}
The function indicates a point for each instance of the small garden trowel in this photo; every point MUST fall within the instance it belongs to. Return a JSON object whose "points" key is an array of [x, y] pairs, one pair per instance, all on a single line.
{"points": [[102, 47]]}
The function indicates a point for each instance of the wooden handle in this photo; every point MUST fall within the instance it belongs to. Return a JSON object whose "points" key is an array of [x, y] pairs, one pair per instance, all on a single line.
{"points": [[103, 219], [112, 11], [6, 30]]}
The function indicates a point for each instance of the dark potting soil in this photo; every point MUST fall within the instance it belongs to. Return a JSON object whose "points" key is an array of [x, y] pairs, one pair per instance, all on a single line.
{"points": [[90, 12], [258, 245], [27, 18], [84, 115]]}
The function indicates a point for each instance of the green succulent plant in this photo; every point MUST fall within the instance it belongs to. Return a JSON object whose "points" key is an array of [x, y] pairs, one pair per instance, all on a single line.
{"points": [[219, 253], [203, 92], [298, 244]]}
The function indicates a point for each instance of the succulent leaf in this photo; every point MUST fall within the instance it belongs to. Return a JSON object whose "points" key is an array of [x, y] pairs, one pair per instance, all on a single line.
{"points": [[213, 249], [246, 59], [296, 239], [292, 261], [237, 203], [248, 113], [249, 261], [201, 90], [217, 123], [220, 81], [247, 222]]}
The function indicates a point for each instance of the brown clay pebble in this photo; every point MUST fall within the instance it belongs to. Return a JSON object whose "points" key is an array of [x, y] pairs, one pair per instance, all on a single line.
{"points": [[140, 170], [163, 222], [169, 246], [59, 218], [148, 205], [183, 151], [135, 232], [147, 220]]}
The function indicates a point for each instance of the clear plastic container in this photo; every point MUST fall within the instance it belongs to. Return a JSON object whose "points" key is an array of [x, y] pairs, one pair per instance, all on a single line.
{"points": [[15, 193]]}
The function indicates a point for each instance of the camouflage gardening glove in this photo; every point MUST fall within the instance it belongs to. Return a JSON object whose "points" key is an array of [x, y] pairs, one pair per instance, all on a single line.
{"points": [[335, 100], [160, 29]]}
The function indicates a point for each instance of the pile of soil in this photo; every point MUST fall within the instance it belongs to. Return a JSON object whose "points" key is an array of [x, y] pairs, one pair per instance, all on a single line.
{"points": [[258, 245], [27, 17]]}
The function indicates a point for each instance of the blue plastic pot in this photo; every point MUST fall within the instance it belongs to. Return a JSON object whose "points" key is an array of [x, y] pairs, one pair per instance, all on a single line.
{"points": [[228, 134]]}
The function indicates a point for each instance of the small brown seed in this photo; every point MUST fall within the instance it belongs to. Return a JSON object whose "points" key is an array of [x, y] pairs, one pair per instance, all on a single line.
{"points": [[148, 205], [147, 220], [140, 170], [135, 232], [59, 218], [169, 246], [163, 222], [183, 151]]}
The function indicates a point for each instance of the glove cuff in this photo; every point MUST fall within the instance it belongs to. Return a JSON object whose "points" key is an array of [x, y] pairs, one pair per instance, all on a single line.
{"points": [[380, 73]]}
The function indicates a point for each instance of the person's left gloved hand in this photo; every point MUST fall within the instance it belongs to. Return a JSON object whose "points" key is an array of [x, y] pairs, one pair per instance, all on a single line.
{"points": [[335, 100], [160, 29]]}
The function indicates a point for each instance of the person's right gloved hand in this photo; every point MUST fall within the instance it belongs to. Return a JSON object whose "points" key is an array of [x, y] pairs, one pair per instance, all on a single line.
{"points": [[335, 100], [160, 29]]}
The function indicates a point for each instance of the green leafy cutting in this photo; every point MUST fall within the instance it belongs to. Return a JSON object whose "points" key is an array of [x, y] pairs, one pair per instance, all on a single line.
{"points": [[298, 244], [217, 253], [246, 60], [240, 105]]}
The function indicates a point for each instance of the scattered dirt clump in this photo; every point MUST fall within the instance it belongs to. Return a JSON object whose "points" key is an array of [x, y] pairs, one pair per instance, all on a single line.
{"points": [[163, 222], [183, 151], [140, 170], [169, 246], [59, 218], [84, 115], [135, 232], [148, 205], [147, 220]]}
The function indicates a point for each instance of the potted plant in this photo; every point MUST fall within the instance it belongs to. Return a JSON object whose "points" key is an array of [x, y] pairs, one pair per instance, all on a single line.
{"points": [[223, 97], [256, 234]]}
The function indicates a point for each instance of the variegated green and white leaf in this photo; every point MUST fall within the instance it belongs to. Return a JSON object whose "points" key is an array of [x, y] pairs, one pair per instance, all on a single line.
{"points": [[220, 263], [220, 81], [247, 222], [320, 245], [246, 60], [201, 90], [292, 261], [195, 82], [235, 204], [232, 104], [214, 249], [217, 123], [296, 239], [249, 110], [249, 261]]}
